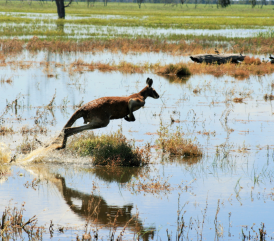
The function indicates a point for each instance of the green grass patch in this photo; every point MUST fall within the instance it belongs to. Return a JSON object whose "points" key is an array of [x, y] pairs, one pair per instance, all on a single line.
{"points": [[111, 150], [150, 15], [132, 9]]}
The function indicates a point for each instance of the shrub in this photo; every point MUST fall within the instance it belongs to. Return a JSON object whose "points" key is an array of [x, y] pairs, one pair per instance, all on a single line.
{"points": [[175, 144], [111, 150], [175, 69], [252, 60]]}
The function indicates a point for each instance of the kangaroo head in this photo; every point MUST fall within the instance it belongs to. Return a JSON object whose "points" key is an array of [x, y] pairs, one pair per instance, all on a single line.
{"points": [[150, 91]]}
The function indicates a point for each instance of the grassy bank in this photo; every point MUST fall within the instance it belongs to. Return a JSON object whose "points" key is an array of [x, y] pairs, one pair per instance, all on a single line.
{"points": [[131, 9], [150, 15]]}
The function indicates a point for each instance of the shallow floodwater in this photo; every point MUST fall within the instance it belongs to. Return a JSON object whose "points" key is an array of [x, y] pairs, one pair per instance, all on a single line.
{"points": [[23, 30], [225, 193]]}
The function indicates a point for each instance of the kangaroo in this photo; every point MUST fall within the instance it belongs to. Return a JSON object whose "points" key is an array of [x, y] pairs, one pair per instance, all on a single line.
{"points": [[99, 112]]}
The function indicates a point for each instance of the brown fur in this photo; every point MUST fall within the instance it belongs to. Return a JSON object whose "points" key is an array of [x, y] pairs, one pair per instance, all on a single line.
{"points": [[99, 112]]}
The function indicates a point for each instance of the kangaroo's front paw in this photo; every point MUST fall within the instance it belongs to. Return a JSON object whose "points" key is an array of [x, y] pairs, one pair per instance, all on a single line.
{"points": [[126, 118], [129, 118]]}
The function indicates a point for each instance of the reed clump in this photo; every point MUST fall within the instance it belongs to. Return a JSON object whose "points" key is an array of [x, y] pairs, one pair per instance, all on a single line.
{"points": [[6, 130], [241, 74], [268, 97], [111, 150], [238, 100], [175, 144], [11, 45], [175, 69], [13, 223], [252, 60]]}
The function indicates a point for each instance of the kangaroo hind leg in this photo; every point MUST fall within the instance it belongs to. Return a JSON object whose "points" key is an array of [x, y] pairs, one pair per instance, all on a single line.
{"points": [[74, 130]]}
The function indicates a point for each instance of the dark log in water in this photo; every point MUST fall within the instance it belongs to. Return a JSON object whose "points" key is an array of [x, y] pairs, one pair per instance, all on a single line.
{"points": [[217, 58]]}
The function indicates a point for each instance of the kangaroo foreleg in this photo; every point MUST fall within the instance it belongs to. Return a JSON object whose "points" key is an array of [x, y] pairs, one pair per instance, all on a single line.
{"points": [[133, 104]]}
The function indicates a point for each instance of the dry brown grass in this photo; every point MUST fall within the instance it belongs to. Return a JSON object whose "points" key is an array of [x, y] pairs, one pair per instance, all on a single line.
{"points": [[238, 100], [252, 60], [6, 130], [11, 45], [241, 74], [179, 69], [31, 131], [268, 97], [197, 46], [175, 143], [241, 71], [8, 81]]}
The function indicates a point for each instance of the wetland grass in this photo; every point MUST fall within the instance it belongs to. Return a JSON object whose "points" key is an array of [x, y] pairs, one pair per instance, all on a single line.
{"points": [[240, 71], [13, 223], [175, 69], [175, 144], [6, 130], [109, 150], [268, 97], [127, 45], [153, 15]]}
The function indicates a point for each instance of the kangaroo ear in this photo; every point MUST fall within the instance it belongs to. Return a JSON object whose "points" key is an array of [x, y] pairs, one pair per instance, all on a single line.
{"points": [[149, 82]]}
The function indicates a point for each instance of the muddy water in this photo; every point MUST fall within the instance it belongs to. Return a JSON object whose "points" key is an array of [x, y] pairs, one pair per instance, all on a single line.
{"points": [[236, 168]]}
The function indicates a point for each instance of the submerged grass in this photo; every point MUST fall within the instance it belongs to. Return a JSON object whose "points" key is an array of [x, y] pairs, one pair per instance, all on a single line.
{"points": [[111, 150]]}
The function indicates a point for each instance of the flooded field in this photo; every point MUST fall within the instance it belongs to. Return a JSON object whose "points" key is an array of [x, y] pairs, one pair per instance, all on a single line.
{"points": [[92, 31], [225, 195], [225, 192]]}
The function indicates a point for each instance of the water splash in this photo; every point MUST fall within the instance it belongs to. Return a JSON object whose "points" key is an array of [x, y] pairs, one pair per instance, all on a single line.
{"points": [[36, 155], [5, 154]]}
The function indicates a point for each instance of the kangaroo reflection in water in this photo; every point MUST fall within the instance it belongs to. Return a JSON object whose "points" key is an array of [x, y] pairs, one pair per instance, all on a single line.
{"points": [[94, 207]]}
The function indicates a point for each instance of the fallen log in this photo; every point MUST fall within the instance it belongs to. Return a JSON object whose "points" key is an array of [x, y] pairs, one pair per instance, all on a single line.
{"points": [[217, 58]]}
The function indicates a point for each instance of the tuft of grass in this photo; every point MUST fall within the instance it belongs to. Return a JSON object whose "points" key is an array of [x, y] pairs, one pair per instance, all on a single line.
{"points": [[241, 74], [6, 130], [175, 144], [238, 100], [111, 150], [175, 69], [252, 60], [268, 97]]}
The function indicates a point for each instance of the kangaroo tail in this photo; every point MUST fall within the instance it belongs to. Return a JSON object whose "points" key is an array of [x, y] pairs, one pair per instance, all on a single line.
{"points": [[77, 114]]}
